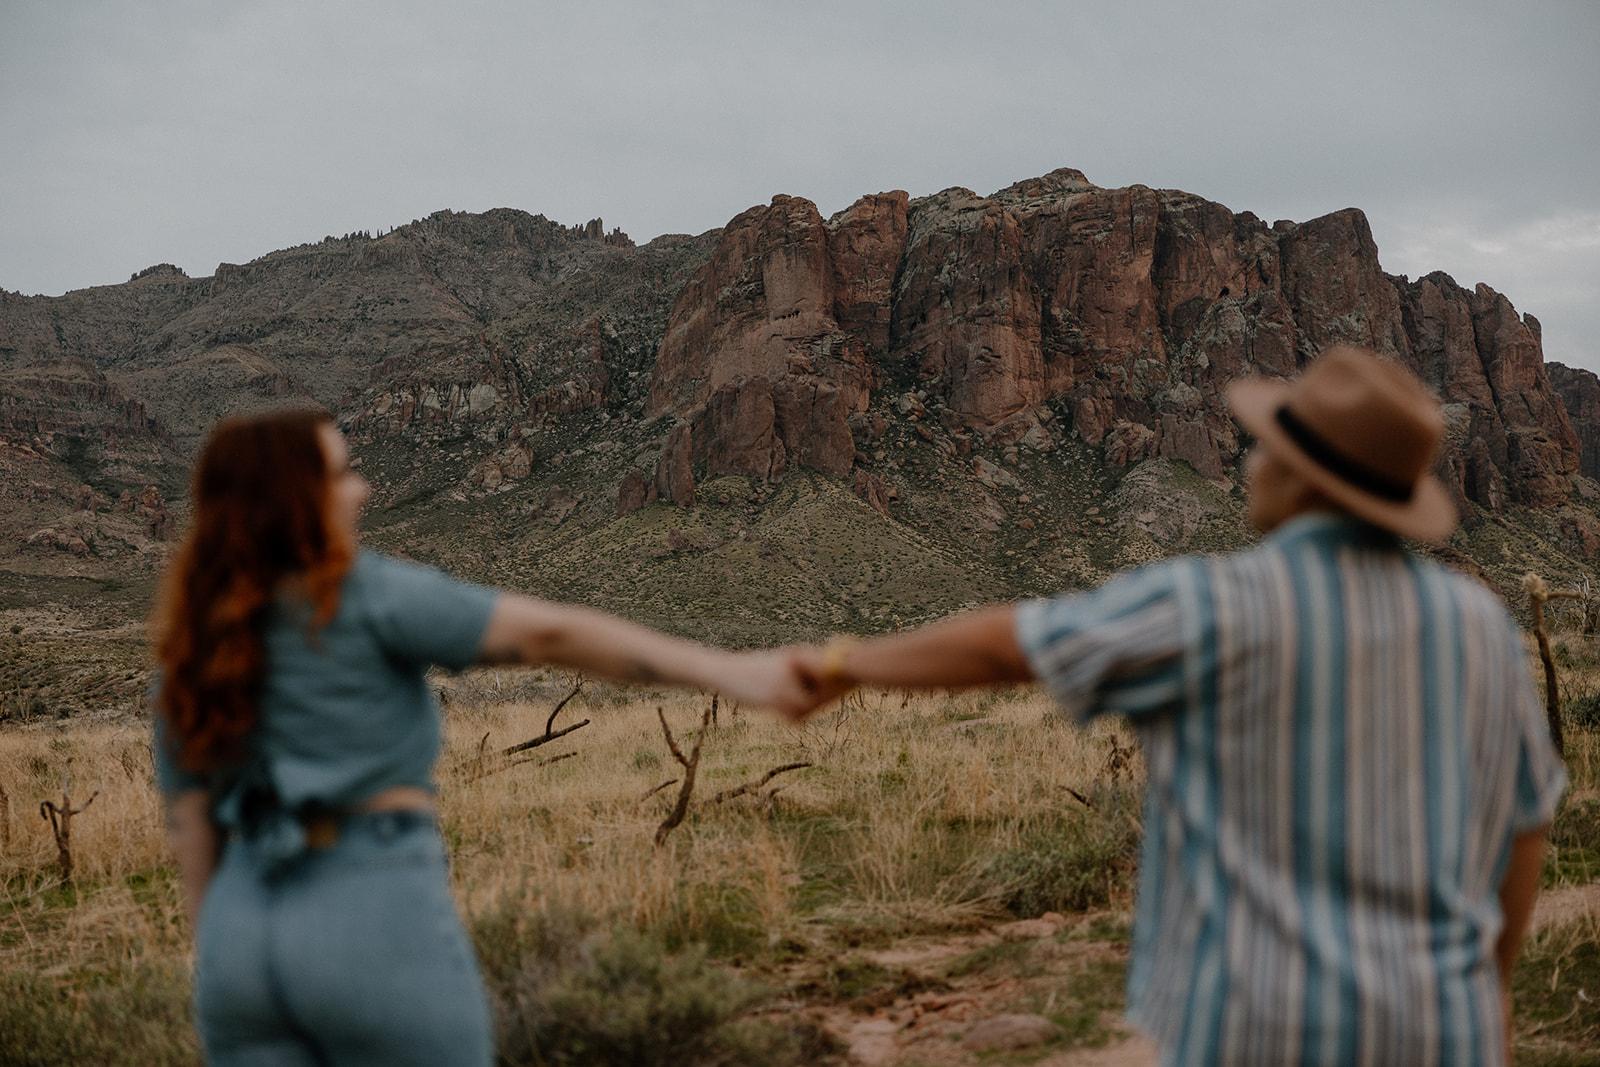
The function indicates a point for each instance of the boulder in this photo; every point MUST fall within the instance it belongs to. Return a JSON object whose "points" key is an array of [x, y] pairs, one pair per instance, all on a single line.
{"points": [[1005, 1033], [675, 470], [633, 494]]}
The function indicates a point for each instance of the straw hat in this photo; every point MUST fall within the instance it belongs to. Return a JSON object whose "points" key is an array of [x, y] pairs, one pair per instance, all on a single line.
{"points": [[1361, 429]]}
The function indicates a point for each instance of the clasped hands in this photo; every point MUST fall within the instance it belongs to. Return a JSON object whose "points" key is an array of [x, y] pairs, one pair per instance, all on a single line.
{"points": [[794, 682]]}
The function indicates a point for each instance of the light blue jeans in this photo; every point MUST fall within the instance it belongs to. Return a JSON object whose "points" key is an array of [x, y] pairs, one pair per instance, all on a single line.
{"points": [[350, 956]]}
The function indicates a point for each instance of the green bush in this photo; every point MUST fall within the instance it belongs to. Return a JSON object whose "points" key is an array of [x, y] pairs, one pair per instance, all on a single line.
{"points": [[139, 1016], [1574, 855], [568, 994], [1063, 869], [1583, 713]]}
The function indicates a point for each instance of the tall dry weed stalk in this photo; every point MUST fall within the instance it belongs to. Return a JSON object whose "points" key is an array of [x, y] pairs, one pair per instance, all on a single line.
{"points": [[1539, 594]]}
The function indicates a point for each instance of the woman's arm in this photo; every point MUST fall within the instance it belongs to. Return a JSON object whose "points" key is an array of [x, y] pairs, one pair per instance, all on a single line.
{"points": [[978, 648], [195, 844], [524, 630]]}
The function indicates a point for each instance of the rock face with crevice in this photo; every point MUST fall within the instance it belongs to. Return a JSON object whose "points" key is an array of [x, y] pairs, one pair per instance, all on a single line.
{"points": [[1126, 310], [921, 352]]}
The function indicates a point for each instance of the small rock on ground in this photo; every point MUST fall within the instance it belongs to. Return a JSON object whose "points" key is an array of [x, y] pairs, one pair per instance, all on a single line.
{"points": [[1008, 1032], [1047, 925]]}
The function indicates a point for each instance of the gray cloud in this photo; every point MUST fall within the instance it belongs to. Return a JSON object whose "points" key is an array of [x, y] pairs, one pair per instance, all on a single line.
{"points": [[194, 132]]}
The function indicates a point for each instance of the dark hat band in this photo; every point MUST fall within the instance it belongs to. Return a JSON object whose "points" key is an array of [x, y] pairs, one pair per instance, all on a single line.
{"points": [[1336, 462]]}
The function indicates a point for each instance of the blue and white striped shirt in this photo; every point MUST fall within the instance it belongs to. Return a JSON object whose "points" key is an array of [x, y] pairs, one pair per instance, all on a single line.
{"points": [[1342, 739]]}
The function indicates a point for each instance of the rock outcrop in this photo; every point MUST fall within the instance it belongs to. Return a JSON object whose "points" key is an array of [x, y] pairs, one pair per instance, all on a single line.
{"points": [[1127, 310], [675, 471], [772, 346], [1015, 322], [1579, 391]]}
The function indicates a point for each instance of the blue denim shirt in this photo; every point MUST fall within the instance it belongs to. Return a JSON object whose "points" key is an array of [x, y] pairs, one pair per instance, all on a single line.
{"points": [[346, 712]]}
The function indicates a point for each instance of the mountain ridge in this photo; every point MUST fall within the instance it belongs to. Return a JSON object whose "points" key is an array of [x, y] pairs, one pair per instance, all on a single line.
{"points": [[911, 406]]}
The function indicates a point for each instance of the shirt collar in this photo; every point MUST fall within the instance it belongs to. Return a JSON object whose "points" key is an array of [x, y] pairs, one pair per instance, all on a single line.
{"points": [[1331, 526]]}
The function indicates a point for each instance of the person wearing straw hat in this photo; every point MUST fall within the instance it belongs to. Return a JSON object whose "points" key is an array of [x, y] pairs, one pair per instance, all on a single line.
{"points": [[1350, 775]]}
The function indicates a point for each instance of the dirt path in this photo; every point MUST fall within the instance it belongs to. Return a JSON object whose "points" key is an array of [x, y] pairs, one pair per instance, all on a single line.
{"points": [[1567, 904], [929, 1027], [1016, 971]]}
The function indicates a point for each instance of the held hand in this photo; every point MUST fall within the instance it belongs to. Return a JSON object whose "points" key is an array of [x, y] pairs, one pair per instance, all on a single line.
{"points": [[820, 675], [791, 681], [765, 678]]}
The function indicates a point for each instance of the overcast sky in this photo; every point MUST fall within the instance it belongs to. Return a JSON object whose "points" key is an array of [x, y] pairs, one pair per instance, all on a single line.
{"points": [[203, 131]]}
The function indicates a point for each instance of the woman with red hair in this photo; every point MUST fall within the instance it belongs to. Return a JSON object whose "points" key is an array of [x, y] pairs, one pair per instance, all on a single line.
{"points": [[296, 736]]}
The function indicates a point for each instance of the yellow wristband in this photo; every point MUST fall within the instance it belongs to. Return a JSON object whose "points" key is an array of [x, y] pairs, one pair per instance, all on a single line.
{"points": [[833, 657]]}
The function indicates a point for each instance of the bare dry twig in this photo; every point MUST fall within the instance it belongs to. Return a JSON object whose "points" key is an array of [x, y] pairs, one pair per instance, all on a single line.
{"points": [[1080, 798], [477, 768], [550, 734], [653, 790], [755, 786], [61, 822], [1119, 761], [690, 765]]}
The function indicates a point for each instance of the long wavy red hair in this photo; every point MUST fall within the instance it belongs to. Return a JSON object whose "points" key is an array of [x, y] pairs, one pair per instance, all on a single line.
{"points": [[262, 526]]}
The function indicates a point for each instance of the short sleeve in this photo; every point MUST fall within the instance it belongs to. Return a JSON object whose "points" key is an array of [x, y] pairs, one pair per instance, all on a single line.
{"points": [[1118, 648], [423, 616]]}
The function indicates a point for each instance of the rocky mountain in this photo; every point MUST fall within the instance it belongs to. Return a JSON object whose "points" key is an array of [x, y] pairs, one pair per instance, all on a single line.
{"points": [[1126, 310], [789, 425]]}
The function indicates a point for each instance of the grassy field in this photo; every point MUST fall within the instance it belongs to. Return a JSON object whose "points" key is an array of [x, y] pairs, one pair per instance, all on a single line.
{"points": [[876, 891]]}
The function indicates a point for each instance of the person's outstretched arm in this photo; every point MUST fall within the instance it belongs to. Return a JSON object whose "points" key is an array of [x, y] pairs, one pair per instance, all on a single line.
{"points": [[525, 630], [978, 648]]}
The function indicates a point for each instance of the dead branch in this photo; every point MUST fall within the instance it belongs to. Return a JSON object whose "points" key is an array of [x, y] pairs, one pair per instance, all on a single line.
{"points": [[576, 688], [1119, 761], [61, 823], [656, 789], [506, 765], [549, 736], [5, 820], [543, 739], [1079, 797], [690, 765], [755, 786], [477, 767], [1538, 594]]}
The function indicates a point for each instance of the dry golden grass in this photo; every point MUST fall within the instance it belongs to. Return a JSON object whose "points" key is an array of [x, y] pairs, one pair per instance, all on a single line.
{"points": [[890, 830], [905, 803], [925, 816]]}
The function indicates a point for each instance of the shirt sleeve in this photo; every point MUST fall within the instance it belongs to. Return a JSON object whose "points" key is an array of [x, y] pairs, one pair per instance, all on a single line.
{"points": [[1118, 648], [423, 616]]}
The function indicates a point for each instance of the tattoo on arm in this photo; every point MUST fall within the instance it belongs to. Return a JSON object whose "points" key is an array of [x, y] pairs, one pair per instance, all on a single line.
{"points": [[639, 671]]}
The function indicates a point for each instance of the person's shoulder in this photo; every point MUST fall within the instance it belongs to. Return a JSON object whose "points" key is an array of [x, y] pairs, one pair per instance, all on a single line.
{"points": [[377, 577], [1468, 593], [370, 563], [386, 578]]}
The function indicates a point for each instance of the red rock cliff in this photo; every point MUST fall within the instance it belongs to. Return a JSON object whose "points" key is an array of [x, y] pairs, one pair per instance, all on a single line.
{"points": [[1128, 309]]}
